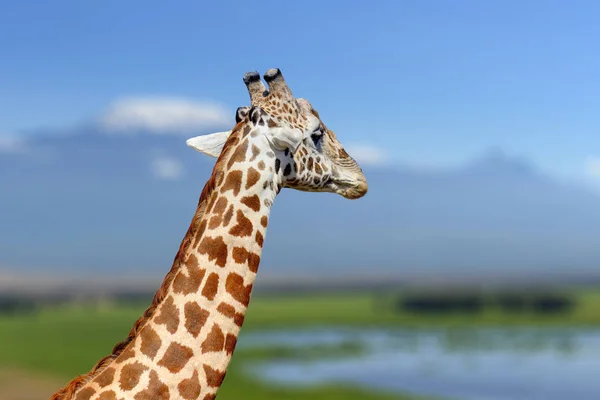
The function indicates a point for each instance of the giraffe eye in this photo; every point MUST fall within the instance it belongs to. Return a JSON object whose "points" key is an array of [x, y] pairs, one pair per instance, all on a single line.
{"points": [[316, 136]]}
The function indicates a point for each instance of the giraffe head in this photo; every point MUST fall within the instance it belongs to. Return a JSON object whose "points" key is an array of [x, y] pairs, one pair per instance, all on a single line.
{"points": [[307, 153]]}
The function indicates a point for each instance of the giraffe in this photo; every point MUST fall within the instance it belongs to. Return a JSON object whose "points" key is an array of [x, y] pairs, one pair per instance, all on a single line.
{"points": [[181, 346]]}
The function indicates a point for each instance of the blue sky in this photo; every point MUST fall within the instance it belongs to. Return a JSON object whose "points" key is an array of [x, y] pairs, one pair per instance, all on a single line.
{"points": [[430, 83]]}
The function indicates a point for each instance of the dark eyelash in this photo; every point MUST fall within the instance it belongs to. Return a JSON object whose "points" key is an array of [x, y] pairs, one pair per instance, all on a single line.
{"points": [[316, 137]]}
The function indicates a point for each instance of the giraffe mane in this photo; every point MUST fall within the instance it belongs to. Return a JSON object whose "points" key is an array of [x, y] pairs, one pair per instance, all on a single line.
{"points": [[71, 388]]}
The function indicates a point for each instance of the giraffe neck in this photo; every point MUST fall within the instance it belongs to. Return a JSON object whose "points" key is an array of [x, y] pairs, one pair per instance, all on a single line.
{"points": [[184, 348]]}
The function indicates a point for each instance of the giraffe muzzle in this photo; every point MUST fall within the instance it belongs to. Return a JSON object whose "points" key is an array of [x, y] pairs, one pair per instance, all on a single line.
{"points": [[356, 192]]}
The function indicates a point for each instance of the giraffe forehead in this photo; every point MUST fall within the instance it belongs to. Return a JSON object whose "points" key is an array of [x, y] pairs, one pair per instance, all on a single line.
{"points": [[288, 111]]}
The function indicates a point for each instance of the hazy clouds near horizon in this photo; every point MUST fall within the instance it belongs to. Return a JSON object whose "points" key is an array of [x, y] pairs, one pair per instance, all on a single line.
{"points": [[100, 203]]}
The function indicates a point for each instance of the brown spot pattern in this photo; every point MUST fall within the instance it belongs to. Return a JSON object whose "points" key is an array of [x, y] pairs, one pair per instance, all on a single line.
{"points": [[189, 388], [200, 233], [260, 239], [214, 341], [106, 377], [240, 255], [176, 357], [156, 390], [236, 288], [253, 262], [126, 354], [108, 395], [255, 152], [169, 315], [239, 155], [230, 343], [220, 205], [229, 311], [233, 181], [211, 286], [243, 227], [318, 169], [215, 249], [191, 261], [253, 202], [310, 164], [261, 165], [86, 394], [214, 222], [195, 318], [191, 283], [214, 377], [253, 177], [210, 204], [228, 215], [219, 176], [264, 221], [130, 375], [150, 342]]}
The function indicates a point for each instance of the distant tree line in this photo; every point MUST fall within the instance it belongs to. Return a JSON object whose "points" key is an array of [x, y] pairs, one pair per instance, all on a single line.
{"points": [[540, 303], [16, 305]]}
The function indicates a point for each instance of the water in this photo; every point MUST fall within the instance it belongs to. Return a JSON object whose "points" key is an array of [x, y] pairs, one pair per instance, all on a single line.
{"points": [[468, 364]]}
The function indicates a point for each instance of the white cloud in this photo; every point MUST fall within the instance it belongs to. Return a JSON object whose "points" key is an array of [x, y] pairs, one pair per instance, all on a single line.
{"points": [[167, 168], [12, 144], [164, 115], [367, 154], [592, 167]]}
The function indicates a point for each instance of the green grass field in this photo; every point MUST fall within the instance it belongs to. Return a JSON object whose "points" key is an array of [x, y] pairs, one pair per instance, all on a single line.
{"points": [[65, 341]]}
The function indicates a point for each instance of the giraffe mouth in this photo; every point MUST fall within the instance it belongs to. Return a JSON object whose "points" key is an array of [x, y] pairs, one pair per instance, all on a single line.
{"points": [[357, 191], [349, 189]]}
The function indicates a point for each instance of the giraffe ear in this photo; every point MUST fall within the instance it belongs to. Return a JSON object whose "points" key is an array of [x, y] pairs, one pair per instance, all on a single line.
{"points": [[211, 144]]}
